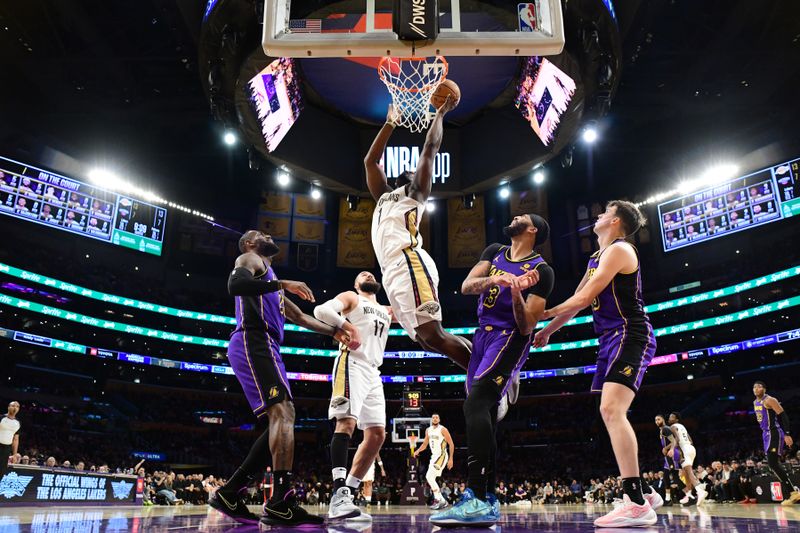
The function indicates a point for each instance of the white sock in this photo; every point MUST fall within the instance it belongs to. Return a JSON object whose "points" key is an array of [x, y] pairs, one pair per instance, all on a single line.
{"points": [[339, 473], [353, 482]]}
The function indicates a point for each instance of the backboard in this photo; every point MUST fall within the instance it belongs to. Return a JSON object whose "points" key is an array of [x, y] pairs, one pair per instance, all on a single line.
{"points": [[362, 28]]}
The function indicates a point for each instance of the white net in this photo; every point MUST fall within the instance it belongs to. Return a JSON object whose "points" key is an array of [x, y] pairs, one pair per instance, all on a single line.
{"points": [[411, 82]]}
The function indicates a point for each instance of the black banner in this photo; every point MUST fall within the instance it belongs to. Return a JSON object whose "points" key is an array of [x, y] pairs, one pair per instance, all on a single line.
{"points": [[768, 488], [33, 485], [415, 20]]}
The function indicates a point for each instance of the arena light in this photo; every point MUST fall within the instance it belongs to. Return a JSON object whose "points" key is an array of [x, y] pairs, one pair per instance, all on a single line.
{"points": [[504, 192], [710, 177], [283, 179], [430, 206], [229, 138], [316, 194], [108, 179], [538, 177], [589, 134]]}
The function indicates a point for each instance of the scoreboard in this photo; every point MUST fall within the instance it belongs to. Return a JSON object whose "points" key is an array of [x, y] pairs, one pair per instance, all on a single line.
{"points": [[412, 402], [35, 195], [742, 203]]}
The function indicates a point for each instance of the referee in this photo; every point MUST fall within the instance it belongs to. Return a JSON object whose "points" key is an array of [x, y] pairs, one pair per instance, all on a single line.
{"points": [[9, 436]]}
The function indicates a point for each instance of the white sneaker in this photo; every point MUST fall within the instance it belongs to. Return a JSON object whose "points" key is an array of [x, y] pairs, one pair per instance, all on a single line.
{"points": [[439, 505], [628, 515], [502, 408], [342, 505], [513, 389], [701, 494], [685, 499], [654, 499]]}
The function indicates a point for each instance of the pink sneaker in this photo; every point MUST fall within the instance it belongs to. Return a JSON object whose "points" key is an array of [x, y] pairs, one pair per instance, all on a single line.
{"points": [[628, 515], [654, 499]]}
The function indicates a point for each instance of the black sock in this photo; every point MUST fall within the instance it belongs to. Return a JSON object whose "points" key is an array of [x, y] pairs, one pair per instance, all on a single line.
{"points": [[339, 444], [646, 488], [476, 477], [253, 465], [282, 483], [491, 471], [632, 486], [481, 401]]}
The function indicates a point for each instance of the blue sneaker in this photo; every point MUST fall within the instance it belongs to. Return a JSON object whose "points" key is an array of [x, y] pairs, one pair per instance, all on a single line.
{"points": [[469, 511], [492, 500]]}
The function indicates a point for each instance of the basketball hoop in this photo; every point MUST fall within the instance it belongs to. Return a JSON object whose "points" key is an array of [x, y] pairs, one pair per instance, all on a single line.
{"points": [[411, 82]]}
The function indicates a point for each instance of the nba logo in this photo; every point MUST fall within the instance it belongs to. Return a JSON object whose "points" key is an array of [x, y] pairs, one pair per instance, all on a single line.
{"points": [[777, 492], [527, 17]]}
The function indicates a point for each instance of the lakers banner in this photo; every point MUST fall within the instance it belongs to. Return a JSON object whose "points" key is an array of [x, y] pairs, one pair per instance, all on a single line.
{"points": [[525, 202], [534, 201], [466, 233], [308, 230], [276, 203], [278, 227], [305, 206], [282, 257], [354, 248]]}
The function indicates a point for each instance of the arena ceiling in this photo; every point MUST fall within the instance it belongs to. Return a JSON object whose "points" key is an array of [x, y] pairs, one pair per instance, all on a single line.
{"points": [[119, 81]]}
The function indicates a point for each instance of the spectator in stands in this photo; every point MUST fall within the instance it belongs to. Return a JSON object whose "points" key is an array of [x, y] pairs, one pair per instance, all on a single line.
{"points": [[50, 463], [502, 493], [576, 489], [312, 497]]}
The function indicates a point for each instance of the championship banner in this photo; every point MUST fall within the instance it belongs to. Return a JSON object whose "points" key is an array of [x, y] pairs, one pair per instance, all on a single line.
{"points": [[532, 201], [278, 227], [306, 230], [282, 258], [466, 233], [305, 206], [276, 203], [354, 246], [31, 485]]}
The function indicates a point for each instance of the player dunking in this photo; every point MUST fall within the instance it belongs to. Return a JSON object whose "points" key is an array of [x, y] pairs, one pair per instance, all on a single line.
{"points": [[438, 438], [513, 283], [612, 286], [409, 273], [775, 430], [694, 493], [254, 354], [672, 456], [357, 398]]}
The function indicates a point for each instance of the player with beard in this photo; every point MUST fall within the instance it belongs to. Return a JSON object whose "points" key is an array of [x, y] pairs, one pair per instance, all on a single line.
{"points": [[672, 457], [357, 399], [776, 433], [255, 357], [513, 283], [409, 273]]}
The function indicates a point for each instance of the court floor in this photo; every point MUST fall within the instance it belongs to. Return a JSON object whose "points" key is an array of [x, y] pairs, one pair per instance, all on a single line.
{"points": [[563, 518]]}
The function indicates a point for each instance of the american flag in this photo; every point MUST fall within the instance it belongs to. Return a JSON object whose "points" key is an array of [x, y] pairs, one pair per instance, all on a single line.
{"points": [[305, 26]]}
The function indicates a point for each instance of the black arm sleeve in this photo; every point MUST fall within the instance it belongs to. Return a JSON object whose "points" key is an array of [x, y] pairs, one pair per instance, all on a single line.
{"points": [[785, 423], [242, 283], [547, 279], [490, 252]]}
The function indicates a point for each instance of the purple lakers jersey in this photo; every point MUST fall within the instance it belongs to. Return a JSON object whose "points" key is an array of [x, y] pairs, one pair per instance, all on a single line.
{"points": [[264, 312], [620, 304], [766, 421], [494, 306]]}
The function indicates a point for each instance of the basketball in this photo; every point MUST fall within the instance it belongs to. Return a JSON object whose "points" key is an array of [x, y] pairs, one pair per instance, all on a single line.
{"points": [[445, 89]]}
